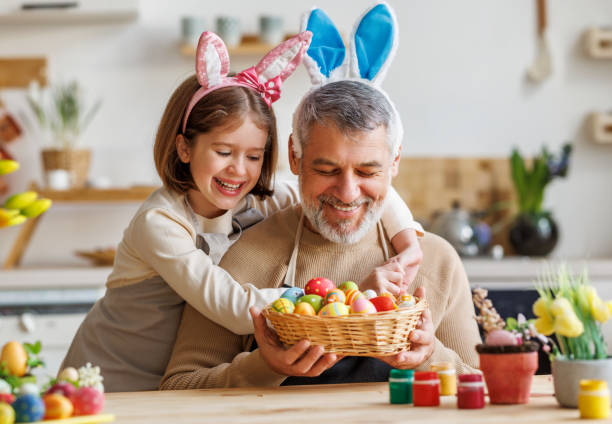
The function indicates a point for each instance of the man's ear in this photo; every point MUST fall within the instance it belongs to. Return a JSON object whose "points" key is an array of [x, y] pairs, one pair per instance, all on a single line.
{"points": [[294, 161], [396, 162], [182, 149]]}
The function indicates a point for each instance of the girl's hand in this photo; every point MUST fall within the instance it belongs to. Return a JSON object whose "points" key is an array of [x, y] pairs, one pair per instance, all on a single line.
{"points": [[385, 278], [301, 359], [409, 255]]}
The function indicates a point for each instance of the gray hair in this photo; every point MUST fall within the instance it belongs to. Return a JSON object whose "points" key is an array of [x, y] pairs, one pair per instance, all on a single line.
{"points": [[352, 106]]}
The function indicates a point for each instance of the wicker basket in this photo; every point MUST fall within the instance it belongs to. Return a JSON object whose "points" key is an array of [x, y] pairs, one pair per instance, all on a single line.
{"points": [[76, 162], [379, 334]]}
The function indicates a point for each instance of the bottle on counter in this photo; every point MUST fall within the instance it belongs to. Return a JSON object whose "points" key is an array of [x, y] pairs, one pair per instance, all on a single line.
{"points": [[447, 376], [426, 389], [594, 399], [400, 386], [470, 393]]}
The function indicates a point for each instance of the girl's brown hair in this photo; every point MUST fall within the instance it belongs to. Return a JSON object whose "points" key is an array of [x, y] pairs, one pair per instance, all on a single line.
{"points": [[225, 107]]}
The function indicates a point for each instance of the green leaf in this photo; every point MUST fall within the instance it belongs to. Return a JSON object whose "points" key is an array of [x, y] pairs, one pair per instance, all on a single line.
{"points": [[511, 324]]}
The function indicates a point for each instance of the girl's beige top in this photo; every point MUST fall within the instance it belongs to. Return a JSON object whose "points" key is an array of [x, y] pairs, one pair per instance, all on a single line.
{"points": [[168, 255]]}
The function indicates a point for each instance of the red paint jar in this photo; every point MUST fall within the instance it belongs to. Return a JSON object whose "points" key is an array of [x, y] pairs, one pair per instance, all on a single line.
{"points": [[470, 392], [426, 389]]}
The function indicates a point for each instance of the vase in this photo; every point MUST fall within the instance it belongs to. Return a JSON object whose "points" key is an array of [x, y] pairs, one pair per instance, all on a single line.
{"points": [[75, 161], [568, 373], [534, 234], [508, 376]]}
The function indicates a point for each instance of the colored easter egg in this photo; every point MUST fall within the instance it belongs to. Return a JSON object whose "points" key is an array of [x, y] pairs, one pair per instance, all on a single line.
{"points": [[319, 286], [407, 298], [335, 295], [284, 306], [383, 303], [69, 374], [304, 308], [4, 386], [362, 305], [293, 294], [15, 358], [389, 295], [63, 388], [28, 408], [348, 285], [334, 309], [315, 300], [26, 388], [7, 414], [369, 294], [501, 338], [87, 401], [352, 295], [57, 407], [7, 398], [405, 304]]}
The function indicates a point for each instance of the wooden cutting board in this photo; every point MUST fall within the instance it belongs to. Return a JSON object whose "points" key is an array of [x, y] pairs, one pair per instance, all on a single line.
{"points": [[430, 184]]}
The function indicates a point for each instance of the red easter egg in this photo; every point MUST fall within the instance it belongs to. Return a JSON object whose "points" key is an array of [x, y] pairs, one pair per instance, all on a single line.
{"points": [[383, 303], [63, 388], [87, 401], [319, 286], [57, 406], [7, 398]]}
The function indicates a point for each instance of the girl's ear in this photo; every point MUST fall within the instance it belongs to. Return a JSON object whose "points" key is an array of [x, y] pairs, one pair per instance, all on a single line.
{"points": [[373, 43], [325, 58], [281, 61], [182, 149], [212, 60]]}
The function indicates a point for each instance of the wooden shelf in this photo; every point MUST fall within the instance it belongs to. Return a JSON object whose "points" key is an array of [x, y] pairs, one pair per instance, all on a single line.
{"points": [[598, 43], [83, 195], [19, 72], [250, 45]]}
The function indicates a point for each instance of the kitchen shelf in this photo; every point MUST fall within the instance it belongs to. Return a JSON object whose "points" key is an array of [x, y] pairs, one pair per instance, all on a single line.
{"points": [[250, 45], [600, 127], [598, 43], [80, 195]]}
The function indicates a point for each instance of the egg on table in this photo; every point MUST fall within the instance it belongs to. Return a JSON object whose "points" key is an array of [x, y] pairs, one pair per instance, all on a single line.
{"points": [[334, 309], [335, 295], [28, 408], [4, 386], [282, 305], [7, 414], [314, 299], [362, 306], [15, 358], [57, 406], [293, 294], [87, 401], [319, 286], [304, 308]]}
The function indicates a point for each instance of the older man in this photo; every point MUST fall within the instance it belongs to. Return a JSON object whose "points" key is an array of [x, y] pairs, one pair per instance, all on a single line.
{"points": [[343, 150]]}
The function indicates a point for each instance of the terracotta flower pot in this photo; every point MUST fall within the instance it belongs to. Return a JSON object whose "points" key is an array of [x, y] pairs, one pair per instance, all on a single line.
{"points": [[568, 373], [508, 375]]}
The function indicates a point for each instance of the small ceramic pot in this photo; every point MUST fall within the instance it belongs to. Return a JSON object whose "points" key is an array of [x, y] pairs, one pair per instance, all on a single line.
{"points": [[568, 373], [508, 376], [534, 235]]}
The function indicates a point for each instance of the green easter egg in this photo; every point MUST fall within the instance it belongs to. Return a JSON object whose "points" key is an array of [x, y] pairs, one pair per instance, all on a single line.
{"points": [[348, 285], [314, 299]]}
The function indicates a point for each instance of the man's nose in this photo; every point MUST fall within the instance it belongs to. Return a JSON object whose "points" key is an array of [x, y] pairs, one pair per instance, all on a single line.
{"points": [[348, 189]]}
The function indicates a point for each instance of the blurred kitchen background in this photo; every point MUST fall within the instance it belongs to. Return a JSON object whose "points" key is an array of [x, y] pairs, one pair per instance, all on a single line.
{"points": [[461, 81]]}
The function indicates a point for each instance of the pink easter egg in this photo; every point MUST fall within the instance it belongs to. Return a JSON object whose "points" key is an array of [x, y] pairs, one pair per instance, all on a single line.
{"points": [[319, 286], [501, 338], [87, 401], [352, 295], [63, 388], [361, 305]]}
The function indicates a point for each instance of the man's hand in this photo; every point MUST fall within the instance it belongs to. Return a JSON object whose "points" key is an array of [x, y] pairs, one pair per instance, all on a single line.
{"points": [[409, 255], [422, 342], [302, 359]]}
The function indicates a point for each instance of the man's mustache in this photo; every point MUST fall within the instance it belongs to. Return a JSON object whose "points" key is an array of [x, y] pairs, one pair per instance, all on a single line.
{"points": [[334, 201]]}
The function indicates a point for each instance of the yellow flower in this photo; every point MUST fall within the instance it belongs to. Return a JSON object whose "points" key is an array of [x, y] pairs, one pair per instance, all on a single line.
{"points": [[568, 325], [560, 307], [544, 325], [609, 306]]}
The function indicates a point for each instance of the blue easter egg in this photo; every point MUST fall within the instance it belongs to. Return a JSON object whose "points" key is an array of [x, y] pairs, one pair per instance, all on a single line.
{"points": [[28, 408], [293, 294]]}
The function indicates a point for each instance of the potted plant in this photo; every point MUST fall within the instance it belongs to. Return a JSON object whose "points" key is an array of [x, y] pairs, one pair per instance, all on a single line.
{"points": [[570, 308], [63, 115], [534, 232]]}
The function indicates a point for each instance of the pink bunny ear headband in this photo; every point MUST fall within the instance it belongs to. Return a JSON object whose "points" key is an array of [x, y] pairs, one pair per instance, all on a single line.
{"points": [[212, 66]]}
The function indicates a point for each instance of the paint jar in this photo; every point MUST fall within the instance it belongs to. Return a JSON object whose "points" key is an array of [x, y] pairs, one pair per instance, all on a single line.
{"points": [[426, 389], [448, 379], [400, 386], [470, 394], [594, 399]]}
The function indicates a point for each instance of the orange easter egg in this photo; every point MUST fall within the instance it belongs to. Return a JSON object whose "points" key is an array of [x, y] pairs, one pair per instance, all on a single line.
{"points": [[304, 308]]}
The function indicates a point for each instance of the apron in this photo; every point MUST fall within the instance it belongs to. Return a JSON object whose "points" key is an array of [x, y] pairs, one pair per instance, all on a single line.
{"points": [[351, 369]]}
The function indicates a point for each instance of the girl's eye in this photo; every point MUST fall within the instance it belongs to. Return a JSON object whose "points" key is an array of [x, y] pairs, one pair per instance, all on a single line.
{"points": [[224, 153]]}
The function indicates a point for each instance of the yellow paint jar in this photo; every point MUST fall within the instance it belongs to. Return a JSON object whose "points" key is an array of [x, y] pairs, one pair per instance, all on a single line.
{"points": [[594, 399], [448, 378]]}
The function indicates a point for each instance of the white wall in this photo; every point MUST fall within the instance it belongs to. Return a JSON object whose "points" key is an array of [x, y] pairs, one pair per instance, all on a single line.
{"points": [[458, 81]]}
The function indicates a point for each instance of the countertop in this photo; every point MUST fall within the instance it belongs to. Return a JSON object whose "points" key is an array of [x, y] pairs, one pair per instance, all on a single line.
{"points": [[340, 403]]}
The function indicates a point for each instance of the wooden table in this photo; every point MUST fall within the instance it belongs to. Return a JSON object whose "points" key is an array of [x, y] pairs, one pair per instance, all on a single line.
{"points": [[324, 404]]}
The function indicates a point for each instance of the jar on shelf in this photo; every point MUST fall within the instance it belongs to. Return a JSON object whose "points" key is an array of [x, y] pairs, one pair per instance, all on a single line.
{"points": [[426, 389], [448, 379], [400, 386], [470, 394]]}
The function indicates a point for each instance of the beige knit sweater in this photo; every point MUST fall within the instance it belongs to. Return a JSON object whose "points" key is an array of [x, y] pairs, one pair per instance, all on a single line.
{"points": [[207, 355]]}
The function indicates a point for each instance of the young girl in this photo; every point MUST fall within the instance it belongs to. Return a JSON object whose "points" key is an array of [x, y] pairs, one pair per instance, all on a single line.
{"points": [[215, 151]]}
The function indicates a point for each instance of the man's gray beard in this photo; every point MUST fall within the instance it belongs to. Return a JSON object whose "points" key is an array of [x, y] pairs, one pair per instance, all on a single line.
{"points": [[341, 233]]}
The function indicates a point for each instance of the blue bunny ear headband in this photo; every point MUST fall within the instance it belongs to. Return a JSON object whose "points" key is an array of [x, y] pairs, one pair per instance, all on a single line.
{"points": [[372, 47]]}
